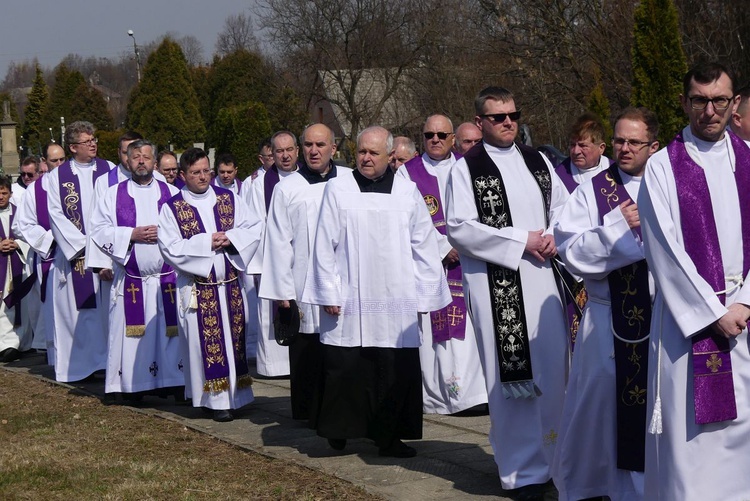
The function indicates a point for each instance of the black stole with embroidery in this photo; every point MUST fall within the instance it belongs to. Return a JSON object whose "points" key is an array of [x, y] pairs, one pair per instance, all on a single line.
{"points": [[506, 291]]}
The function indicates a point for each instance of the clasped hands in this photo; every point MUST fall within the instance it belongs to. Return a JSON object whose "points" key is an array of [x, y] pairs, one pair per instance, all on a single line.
{"points": [[144, 234], [541, 246], [219, 240], [733, 322], [8, 245]]}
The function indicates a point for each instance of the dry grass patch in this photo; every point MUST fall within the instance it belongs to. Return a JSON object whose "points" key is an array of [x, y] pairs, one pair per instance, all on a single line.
{"points": [[56, 445]]}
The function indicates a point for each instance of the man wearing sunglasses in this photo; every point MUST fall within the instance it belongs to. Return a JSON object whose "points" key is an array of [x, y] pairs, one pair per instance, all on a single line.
{"points": [[694, 207], [452, 379], [502, 199], [27, 174]]}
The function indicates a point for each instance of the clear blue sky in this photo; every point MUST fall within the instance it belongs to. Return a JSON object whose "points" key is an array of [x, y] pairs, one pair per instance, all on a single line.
{"points": [[51, 29]]}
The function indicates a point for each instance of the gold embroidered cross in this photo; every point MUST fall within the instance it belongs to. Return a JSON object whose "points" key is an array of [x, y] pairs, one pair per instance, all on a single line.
{"points": [[79, 267], [438, 322], [132, 290], [455, 315], [550, 438], [170, 290], [714, 362]]}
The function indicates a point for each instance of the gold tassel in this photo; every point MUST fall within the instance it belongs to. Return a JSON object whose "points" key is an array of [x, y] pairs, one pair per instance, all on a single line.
{"points": [[245, 381], [171, 331], [216, 385], [135, 330]]}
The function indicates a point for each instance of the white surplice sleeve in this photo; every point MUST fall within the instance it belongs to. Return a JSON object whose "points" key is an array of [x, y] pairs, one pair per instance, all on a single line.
{"points": [[503, 247], [193, 255], [27, 225], [690, 299], [323, 285], [278, 277], [245, 235], [590, 249], [256, 203], [432, 286]]}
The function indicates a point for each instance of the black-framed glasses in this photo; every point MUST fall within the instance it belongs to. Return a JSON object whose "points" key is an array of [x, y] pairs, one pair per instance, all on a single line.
{"points": [[88, 142], [701, 102], [441, 135], [634, 144], [500, 117]]}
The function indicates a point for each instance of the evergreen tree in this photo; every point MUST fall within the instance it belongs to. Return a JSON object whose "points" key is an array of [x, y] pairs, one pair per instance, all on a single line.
{"points": [[36, 107], [598, 104], [62, 95], [239, 130], [658, 64], [89, 104], [164, 106]]}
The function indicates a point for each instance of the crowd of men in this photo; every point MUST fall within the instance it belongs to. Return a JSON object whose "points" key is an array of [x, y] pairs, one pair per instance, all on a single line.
{"points": [[597, 308]]}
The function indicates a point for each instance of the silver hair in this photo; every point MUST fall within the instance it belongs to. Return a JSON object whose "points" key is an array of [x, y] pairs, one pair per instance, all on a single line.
{"points": [[140, 143], [74, 131], [377, 128], [406, 142]]}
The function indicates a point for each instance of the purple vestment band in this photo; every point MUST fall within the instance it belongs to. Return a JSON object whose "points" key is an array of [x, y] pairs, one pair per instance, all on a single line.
{"points": [[564, 172], [210, 323], [713, 387], [449, 322], [135, 316], [112, 178], [270, 180], [42, 218], [72, 207]]}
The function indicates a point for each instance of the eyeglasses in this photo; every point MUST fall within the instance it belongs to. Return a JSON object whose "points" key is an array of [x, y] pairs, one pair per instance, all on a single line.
{"points": [[26, 174], [700, 102], [500, 117], [441, 135], [197, 173], [634, 144], [88, 142]]}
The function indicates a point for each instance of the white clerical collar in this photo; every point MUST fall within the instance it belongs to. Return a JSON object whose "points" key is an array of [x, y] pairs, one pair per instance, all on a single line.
{"points": [[446, 162], [499, 150], [80, 164], [6, 209], [696, 147], [199, 196], [283, 173], [143, 186]]}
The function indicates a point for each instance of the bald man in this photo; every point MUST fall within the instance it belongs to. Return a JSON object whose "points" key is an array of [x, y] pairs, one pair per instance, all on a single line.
{"points": [[467, 135]]}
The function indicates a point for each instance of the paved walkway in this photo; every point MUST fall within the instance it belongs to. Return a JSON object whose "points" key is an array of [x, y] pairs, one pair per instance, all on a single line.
{"points": [[454, 460]]}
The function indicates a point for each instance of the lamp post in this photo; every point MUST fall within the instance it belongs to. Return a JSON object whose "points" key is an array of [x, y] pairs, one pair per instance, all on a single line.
{"points": [[137, 55]]}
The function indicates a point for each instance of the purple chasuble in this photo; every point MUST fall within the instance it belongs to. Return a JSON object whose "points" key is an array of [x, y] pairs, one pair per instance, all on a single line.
{"points": [[72, 207], [449, 322], [206, 290], [112, 178], [631, 322], [178, 183], [713, 388], [135, 325]]}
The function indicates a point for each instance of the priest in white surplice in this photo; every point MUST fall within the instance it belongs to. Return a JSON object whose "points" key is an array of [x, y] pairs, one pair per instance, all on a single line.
{"points": [[695, 216], [290, 235], [375, 267], [586, 147], [501, 199], [208, 236], [32, 224], [80, 316], [452, 377], [271, 359], [144, 351], [599, 239]]}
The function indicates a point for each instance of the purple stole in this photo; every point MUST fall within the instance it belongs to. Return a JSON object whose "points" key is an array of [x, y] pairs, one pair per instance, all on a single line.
{"points": [[450, 322], [713, 388], [211, 326], [42, 218], [270, 180], [70, 198], [504, 285], [16, 291], [631, 321], [135, 325], [112, 178], [178, 183], [563, 171]]}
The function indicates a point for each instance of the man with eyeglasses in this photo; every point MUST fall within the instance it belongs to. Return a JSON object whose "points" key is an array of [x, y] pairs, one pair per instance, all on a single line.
{"points": [[166, 163], [695, 216], [586, 149], [467, 135], [28, 172], [502, 198], [452, 379], [599, 238], [271, 359], [208, 236], [33, 226], [404, 150], [80, 315]]}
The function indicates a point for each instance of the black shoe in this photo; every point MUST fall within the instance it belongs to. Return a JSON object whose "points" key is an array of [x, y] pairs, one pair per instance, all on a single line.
{"points": [[223, 416], [337, 444], [9, 355], [397, 449]]}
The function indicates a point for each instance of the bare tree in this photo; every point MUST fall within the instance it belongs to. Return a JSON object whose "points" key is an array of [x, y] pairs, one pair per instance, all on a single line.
{"points": [[237, 34]]}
